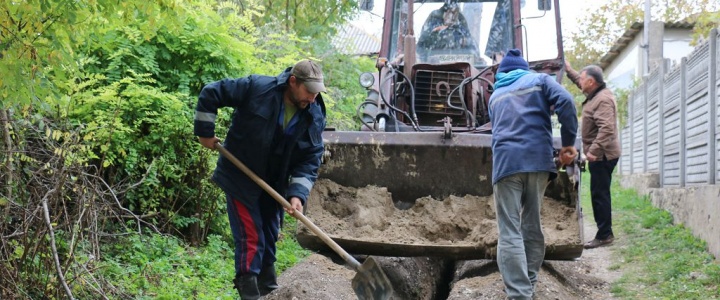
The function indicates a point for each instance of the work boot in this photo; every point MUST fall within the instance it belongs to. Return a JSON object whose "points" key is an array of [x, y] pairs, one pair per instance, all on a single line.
{"points": [[267, 280], [598, 242], [247, 287]]}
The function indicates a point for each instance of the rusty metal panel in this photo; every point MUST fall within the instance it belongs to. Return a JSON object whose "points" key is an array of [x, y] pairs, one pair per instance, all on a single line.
{"points": [[410, 164], [432, 89]]}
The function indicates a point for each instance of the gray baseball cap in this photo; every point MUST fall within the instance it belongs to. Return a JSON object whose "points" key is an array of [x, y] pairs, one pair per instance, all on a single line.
{"points": [[310, 74]]}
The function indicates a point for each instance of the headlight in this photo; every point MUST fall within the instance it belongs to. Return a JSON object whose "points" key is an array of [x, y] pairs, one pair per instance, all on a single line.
{"points": [[367, 79]]}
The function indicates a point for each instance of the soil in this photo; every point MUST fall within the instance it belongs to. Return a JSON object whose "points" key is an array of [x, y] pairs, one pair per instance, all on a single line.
{"points": [[373, 215], [369, 212]]}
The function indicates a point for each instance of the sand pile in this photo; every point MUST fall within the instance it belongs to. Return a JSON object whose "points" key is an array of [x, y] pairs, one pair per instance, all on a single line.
{"points": [[368, 213]]}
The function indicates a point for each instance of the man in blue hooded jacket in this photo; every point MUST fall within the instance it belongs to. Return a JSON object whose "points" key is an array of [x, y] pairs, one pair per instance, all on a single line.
{"points": [[276, 131], [520, 110]]}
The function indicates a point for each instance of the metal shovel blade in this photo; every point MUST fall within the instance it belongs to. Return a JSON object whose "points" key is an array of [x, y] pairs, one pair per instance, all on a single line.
{"points": [[370, 282]]}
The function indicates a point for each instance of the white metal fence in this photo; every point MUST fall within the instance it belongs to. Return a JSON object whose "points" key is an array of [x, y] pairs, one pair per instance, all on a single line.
{"points": [[674, 121]]}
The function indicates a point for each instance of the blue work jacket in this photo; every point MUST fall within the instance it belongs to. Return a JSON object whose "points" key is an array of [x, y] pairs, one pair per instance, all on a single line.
{"points": [[521, 126], [288, 161]]}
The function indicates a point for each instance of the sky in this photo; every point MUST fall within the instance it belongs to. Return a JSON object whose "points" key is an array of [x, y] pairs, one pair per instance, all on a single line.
{"points": [[570, 12]]}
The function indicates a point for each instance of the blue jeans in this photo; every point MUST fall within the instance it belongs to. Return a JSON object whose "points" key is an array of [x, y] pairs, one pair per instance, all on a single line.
{"points": [[521, 243]]}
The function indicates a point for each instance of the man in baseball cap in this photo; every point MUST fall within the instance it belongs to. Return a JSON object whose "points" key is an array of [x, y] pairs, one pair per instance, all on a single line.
{"points": [[284, 151]]}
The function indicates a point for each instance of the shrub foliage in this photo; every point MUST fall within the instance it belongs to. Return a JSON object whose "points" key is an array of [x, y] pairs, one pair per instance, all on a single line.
{"points": [[97, 151]]}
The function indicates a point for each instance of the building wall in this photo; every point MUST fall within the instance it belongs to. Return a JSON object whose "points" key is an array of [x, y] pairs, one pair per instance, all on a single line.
{"points": [[623, 70], [676, 44]]}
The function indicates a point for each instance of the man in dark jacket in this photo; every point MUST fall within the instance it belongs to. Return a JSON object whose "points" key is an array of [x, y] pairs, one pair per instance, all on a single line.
{"points": [[276, 131], [600, 145], [446, 31], [522, 146]]}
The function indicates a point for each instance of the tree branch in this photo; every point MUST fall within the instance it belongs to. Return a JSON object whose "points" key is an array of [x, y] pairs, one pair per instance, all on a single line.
{"points": [[52, 244], [140, 220], [14, 234], [5, 123]]}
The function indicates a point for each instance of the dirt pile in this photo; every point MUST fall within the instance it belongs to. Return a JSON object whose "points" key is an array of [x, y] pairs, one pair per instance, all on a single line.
{"points": [[369, 213], [316, 277]]}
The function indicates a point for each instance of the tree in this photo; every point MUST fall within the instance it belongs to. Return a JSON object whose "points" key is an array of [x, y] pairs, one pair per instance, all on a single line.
{"points": [[307, 18], [96, 106], [599, 30]]}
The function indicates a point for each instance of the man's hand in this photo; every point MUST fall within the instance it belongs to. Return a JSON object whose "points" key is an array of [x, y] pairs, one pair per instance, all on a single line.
{"points": [[209, 142], [590, 157], [567, 155], [296, 205]]}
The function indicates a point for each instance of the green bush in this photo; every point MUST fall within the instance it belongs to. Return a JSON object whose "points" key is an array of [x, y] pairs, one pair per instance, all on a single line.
{"points": [[162, 267], [101, 105]]}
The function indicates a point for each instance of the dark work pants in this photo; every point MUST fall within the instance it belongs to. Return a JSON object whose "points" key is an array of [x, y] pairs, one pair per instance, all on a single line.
{"points": [[600, 178], [255, 225]]}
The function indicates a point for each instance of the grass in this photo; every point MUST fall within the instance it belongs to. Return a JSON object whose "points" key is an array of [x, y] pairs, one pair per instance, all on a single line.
{"points": [[156, 266], [658, 259], [289, 251]]}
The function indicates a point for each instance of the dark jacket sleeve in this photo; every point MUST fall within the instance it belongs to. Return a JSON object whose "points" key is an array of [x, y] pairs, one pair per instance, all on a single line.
{"points": [[565, 110], [223, 93], [305, 172]]}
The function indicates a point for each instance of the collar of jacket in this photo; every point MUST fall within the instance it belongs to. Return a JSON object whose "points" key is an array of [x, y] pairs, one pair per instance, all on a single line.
{"points": [[595, 92], [505, 79], [282, 78]]}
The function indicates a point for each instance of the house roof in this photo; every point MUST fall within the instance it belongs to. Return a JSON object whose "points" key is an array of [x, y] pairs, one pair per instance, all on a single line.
{"points": [[351, 39], [629, 35]]}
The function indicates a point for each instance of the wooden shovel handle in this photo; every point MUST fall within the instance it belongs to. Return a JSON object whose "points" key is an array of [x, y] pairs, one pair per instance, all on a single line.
{"points": [[280, 199]]}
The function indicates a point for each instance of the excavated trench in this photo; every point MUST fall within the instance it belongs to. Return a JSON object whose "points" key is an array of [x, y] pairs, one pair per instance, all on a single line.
{"points": [[324, 276], [408, 244]]}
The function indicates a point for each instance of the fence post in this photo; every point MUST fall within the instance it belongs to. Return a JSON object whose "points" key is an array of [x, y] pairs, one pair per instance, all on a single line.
{"points": [[661, 123], [683, 118], [631, 125], [712, 93], [646, 112]]}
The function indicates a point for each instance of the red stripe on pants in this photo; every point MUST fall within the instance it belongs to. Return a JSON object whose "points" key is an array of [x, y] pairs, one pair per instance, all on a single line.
{"points": [[251, 236]]}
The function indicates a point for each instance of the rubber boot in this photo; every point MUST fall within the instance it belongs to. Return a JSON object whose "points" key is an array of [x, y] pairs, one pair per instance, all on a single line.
{"points": [[267, 280], [247, 287]]}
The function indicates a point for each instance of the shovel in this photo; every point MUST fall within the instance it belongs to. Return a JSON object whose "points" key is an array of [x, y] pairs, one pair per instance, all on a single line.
{"points": [[370, 281]]}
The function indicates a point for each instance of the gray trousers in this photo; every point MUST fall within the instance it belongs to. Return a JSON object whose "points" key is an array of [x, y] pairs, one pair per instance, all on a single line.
{"points": [[521, 244]]}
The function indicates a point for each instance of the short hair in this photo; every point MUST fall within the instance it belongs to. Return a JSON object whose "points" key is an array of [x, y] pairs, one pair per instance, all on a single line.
{"points": [[595, 72]]}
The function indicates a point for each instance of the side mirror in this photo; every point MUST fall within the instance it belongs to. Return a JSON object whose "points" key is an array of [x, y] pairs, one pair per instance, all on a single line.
{"points": [[367, 5], [544, 5]]}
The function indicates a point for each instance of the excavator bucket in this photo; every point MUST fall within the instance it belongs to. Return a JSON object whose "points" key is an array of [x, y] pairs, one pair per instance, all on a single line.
{"points": [[419, 171]]}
